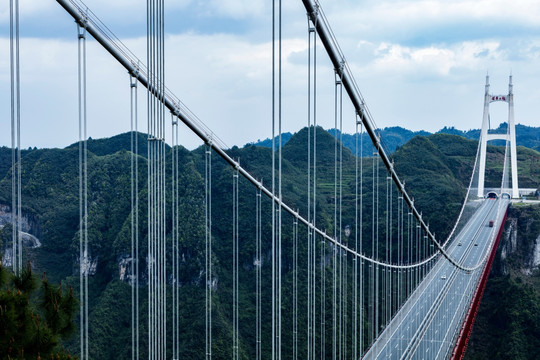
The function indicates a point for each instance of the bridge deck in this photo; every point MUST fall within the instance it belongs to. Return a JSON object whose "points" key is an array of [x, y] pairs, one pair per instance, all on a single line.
{"points": [[427, 325]]}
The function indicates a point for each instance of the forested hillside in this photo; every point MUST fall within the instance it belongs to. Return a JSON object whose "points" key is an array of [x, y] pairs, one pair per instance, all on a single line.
{"points": [[436, 170]]}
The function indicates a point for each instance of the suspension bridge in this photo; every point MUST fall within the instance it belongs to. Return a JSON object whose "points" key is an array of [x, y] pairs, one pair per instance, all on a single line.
{"points": [[368, 279]]}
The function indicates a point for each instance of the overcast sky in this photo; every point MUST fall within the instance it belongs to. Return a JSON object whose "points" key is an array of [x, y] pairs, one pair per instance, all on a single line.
{"points": [[419, 64]]}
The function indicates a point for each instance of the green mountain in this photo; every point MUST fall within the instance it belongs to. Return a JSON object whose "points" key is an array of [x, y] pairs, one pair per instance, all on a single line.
{"points": [[436, 170], [395, 136]]}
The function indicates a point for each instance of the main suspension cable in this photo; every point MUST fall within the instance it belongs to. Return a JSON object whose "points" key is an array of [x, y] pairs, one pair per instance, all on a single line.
{"points": [[130, 62]]}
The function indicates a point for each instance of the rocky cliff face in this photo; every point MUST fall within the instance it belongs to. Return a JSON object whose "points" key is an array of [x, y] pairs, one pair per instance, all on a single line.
{"points": [[29, 234], [508, 322], [519, 250], [29, 223]]}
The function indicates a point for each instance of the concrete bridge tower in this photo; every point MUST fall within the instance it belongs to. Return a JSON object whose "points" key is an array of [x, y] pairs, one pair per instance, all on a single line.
{"points": [[485, 136]]}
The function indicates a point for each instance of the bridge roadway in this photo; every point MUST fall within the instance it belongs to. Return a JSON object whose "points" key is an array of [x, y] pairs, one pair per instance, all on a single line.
{"points": [[428, 323]]}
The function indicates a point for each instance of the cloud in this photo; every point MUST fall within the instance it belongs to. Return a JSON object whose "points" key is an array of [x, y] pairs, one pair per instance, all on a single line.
{"points": [[237, 9], [435, 60], [413, 61], [425, 21]]}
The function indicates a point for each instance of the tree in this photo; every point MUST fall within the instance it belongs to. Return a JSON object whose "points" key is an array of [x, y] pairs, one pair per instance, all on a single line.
{"points": [[5, 235], [34, 316]]}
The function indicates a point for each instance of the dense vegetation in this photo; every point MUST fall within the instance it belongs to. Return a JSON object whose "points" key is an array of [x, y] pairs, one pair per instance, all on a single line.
{"points": [[34, 316], [436, 170]]}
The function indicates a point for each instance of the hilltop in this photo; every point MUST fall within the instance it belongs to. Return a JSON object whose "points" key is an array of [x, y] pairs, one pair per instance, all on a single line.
{"points": [[395, 136]]}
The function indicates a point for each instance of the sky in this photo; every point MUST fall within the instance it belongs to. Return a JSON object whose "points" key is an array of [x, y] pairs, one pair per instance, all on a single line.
{"points": [[419, 64]]}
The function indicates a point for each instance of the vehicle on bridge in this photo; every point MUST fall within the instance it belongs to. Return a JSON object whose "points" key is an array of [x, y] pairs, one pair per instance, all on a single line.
{"points": [[490, 223]]}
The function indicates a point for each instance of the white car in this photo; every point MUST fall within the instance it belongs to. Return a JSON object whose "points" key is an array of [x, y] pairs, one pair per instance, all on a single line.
{"points": [[443, 277]]}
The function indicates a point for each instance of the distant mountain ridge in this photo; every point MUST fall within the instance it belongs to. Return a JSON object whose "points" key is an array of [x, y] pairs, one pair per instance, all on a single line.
{"points": [[395, 136]]}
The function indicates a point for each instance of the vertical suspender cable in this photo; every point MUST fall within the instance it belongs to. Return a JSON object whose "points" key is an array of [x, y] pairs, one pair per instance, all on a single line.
{"points": [[235, 264], [377, 247], [16, 206], [342, 255], [163, 189], [159, 179], [310, 29], [314, 203], [387, 238], [85, 185], [386, 251], [274, 325], [343, 263], [397, 298], [208, 240], [322, 242], [81, 219], [159, 183], [150, 267], [177, 216], [177, 240], [134, 281], [394, 256], [355, 259], [13, 69], [174, 210], [322, 300], [418, 254], [151, 190], [311, 280], [390, 248], [162, 222], [371, 265], [173, 235], [295, 288], [174, 245], [132, 203], [279, 184], [361, 238], [19, 170], [276, 212], [403, 293], [347, 234], [258, 265], [83, 192], [335, 253], [136, 155], [409, 252]]}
